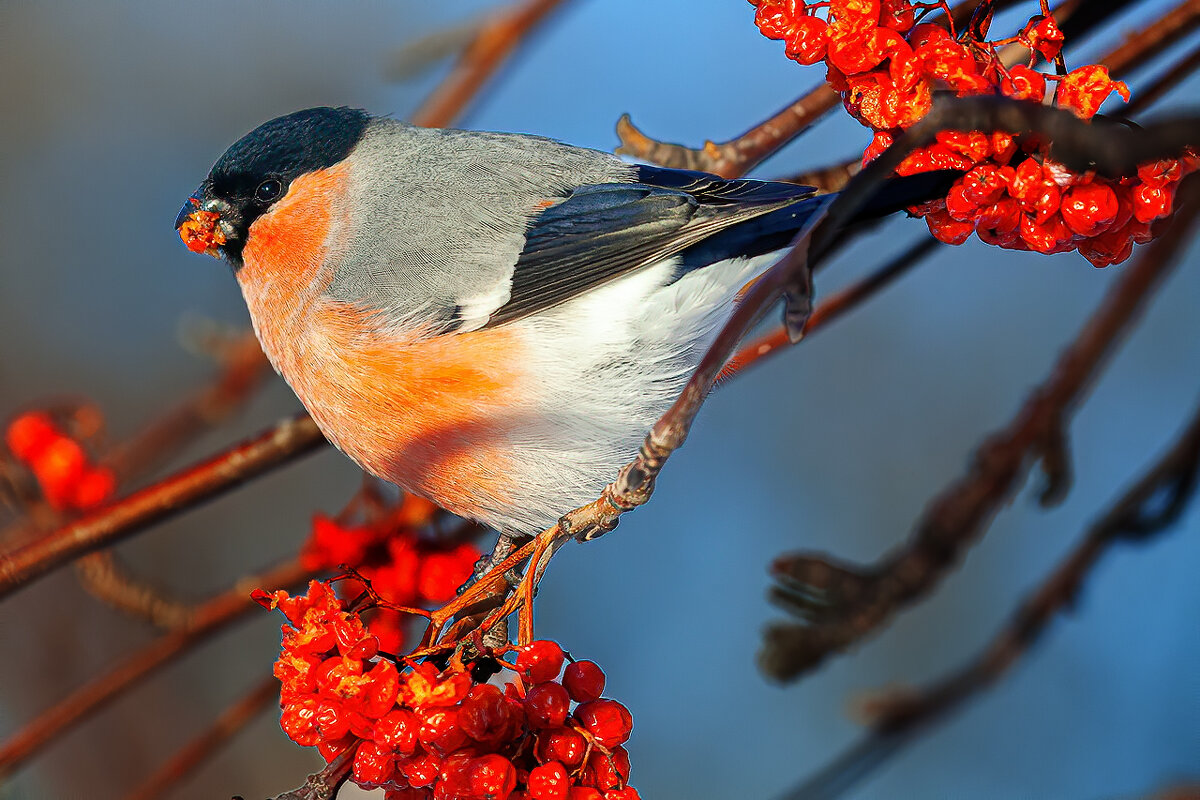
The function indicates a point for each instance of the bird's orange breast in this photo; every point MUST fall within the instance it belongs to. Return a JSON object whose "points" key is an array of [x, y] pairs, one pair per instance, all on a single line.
{"points": [[429, 413]]}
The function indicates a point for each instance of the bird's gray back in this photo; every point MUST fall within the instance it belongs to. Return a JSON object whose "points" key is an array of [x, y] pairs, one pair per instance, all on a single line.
{"points": [[448, 212]]}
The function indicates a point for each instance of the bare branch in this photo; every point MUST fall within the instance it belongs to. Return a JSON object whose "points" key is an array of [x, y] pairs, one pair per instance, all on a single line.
{"points": [[842, 603], [284, 443], [197, 751], [1152, 505], [491, 46], [1149, 42], [208, 619]]}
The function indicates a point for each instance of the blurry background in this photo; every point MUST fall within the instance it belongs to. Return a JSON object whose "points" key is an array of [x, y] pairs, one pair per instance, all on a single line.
{"points": [[114, 112]]}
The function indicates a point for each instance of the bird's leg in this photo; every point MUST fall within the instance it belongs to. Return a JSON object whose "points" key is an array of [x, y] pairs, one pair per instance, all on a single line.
{"points": [[506, 544]]}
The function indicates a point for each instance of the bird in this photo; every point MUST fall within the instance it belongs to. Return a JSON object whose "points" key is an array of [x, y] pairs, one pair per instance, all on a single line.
{"points": [[492, 321]]}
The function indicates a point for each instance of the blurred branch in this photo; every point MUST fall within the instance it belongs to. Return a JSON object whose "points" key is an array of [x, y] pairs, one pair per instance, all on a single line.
{"points": [[492, 44], [206, 620], [196, 752], [243, 369], [281, 444], [842, 603], [106, 579], [1168, 80], [1149, 42], [1152, 505]]}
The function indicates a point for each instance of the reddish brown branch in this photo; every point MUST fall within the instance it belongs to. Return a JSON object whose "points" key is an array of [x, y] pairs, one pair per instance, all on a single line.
{"points": [[739, 155], [197, 751], [285, 442], [1151, 506], [243, 369], [1168, 80], [208, 619], [1150, 41], [841, 603], [491, 46]]}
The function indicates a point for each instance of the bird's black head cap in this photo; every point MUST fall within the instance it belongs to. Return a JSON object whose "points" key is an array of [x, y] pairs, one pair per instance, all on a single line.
{"points": [[258, 169]]}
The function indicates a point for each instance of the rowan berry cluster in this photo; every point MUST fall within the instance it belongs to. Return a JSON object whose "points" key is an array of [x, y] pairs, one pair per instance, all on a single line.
{"points": [[886, 64], [66, 476], [404, 567], [426, 733]]}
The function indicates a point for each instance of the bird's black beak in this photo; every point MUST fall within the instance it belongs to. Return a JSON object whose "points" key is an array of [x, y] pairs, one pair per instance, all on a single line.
{"points": [[208, 224]]}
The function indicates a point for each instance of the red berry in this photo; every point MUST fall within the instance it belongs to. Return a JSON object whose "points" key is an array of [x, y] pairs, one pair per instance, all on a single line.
{"points": [[550, 781], [420, 770], [807, 40], [332, 721], [561, 744], [584, 793], [1089, 208], [96, 486], [607, 772], [1152, 202], [486, 715], [397, 731], [373, 765], [492, 777], [29, 434], [440, 731], [584, 681], [628, 793], [299, 722], [541, 661], [607, 720], [546, 705]]}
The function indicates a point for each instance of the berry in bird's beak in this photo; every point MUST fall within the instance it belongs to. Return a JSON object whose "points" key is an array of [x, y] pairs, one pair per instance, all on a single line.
{"points": [[200, 230]]}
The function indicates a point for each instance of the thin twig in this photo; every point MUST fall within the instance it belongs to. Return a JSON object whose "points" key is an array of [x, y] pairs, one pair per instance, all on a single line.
{"points": [[833, 308], [283, 443], [243, 370], [1168, 80], [739, 155], [105, 578], [491, 46], [841, 603], [209, 618], [231, 722], [1150, 41], [1152, 505]]}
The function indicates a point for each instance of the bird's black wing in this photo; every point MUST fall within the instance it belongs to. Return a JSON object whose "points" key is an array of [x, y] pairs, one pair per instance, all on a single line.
{"points": [[601, 232]]}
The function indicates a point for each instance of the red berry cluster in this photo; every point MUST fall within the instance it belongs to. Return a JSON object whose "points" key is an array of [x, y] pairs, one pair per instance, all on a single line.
{"points": [[886, 65], [66, 476], [403, 567], [427, 734]]}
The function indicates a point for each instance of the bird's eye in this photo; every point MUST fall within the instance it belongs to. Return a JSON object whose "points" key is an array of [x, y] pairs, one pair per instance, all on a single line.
{"points": [[268, 190]]}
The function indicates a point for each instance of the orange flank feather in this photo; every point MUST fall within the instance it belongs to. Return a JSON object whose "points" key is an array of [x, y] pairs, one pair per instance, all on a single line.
{"points": [[431, 413]]}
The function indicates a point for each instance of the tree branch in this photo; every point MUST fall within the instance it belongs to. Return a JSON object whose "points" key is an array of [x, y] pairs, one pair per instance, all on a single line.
{"points": [[209, 618], [841, 603], [490, 48], [207, 480], [1152, 505], [198, 750]]}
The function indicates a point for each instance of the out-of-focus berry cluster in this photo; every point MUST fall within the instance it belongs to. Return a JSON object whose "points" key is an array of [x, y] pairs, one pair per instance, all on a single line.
{"points": [[65, 474], [886, 65], [402, 566], [424, 733]]}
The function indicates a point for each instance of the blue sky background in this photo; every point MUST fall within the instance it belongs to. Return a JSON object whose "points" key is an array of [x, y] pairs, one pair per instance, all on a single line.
{"points": [[114, 112]]}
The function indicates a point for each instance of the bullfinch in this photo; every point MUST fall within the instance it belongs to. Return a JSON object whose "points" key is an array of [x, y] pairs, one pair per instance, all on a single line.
{"points": [[493, 321]]}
